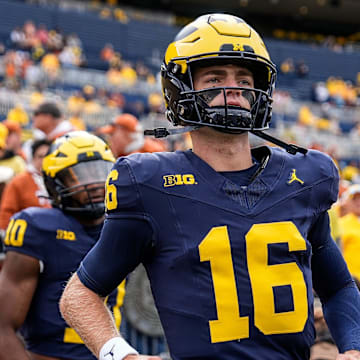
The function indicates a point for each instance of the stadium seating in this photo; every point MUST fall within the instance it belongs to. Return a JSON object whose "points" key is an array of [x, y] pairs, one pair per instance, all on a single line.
{"points": [[139, 39]]}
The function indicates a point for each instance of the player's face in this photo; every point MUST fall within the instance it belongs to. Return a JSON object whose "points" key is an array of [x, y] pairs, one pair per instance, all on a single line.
{"points": [[95, 192], [225, 76]]}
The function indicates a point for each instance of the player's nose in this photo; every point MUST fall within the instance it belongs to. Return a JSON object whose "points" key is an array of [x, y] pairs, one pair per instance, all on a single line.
{"points": [[231, 81], [97, 190]]}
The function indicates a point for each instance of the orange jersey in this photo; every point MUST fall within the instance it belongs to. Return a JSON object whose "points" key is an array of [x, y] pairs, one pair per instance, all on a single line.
{"points": [[19, 193], [151, 145]]}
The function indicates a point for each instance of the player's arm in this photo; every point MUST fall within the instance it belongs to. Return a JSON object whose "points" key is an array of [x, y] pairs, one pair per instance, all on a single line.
{"points": [[123, 244], [126, 240], [18, 281], [84, 310], [337, 291], [76, 302]]}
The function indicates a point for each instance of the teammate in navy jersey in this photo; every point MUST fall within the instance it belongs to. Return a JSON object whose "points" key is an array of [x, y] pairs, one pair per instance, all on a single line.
{"points": [[45, 246], [233, 239]]}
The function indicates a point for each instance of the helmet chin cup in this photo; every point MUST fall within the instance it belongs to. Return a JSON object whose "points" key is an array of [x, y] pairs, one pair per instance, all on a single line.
{"points": [[89, 211], [194, 108], [229, 119]]}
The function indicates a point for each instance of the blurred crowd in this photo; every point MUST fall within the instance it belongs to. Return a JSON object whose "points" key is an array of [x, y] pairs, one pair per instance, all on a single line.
{"points": [[35, 55], [289, 67], [332, 107], [338, 44], [32, 44]]}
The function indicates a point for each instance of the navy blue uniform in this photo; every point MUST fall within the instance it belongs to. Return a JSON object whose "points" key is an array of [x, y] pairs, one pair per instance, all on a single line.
{"points": [[59, 242], [229, 265]]}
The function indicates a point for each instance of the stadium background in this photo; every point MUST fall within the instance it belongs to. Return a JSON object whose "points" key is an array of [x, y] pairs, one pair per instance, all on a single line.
{"points": [[322, 34], [104, 57]]}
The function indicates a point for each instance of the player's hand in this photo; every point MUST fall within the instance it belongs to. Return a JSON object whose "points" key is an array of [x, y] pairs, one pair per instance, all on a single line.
{"points": [[141, 357], [349, 355]]}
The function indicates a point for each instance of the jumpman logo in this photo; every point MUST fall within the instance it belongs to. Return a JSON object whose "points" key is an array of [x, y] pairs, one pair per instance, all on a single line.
{"points": [[293, 177], [110, 353]]}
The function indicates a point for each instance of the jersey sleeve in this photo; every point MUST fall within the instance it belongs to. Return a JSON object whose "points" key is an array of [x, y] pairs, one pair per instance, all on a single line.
{"points": [[122, 191], [329, 270], [127, 235], [326, 189], [24, 236], [333, 283], [123, 244]]}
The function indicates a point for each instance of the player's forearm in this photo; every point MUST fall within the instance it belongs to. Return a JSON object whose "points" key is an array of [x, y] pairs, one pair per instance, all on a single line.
{"points": [[86, 313], [11, 347]]}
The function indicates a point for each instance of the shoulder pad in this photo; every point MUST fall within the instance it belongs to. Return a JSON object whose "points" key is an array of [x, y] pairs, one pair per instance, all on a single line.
{"points": [[122, 192], [144, 165], [45, 219], [29, 231], [129, 174], [318, 171]]}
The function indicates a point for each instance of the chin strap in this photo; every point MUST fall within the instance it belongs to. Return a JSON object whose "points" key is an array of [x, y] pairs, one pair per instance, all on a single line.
{"points": [[290, 148], [163, 132]]}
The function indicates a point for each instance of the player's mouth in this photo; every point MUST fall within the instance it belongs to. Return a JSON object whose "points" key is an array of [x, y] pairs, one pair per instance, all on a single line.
{"points": [[234, 103]]}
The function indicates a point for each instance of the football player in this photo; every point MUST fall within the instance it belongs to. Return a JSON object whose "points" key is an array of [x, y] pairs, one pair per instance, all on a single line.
{"points": [[45, 246], [233, 239]]}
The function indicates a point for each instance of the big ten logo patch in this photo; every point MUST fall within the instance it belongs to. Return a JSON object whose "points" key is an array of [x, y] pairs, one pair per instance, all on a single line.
{"points": [[179, 179], [65, 235]]}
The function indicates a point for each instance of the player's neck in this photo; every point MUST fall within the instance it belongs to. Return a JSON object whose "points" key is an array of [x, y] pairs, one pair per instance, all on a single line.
{"points": [[223, 152]]}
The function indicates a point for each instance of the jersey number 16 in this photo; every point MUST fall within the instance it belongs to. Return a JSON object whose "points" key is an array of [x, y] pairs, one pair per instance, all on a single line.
{"points": [[215, 247]]}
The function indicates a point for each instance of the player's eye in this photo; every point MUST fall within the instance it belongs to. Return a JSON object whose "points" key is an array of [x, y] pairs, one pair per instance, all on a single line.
{"points": [[212, 80], [244, 82]]}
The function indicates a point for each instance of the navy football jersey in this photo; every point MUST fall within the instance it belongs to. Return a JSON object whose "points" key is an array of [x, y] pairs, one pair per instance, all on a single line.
{"points": [[230, 265], [59, 242]]}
